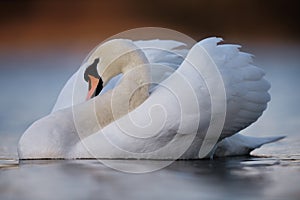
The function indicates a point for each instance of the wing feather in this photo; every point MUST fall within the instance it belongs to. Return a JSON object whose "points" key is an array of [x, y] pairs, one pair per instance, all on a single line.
{"points": [[246, 89]]}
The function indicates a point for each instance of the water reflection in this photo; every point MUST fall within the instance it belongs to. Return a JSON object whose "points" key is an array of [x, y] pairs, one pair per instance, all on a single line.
{"points": [[8, 164], [243, 177]]}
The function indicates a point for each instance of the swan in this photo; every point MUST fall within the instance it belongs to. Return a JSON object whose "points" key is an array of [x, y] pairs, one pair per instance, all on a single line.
{"points": [[134, 118]]}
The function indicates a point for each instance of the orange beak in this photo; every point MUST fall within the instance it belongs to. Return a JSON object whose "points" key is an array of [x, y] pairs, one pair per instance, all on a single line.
{"points": [[93, 83]]}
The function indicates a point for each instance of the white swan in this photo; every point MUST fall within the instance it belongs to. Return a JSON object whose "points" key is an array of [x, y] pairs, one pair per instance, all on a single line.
{"points": [[79, 132]]}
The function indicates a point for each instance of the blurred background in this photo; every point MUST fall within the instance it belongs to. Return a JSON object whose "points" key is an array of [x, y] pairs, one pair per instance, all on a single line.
{"points": [[43, 42], [76, 25]]}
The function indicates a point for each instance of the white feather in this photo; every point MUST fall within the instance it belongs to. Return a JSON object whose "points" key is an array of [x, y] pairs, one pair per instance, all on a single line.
{"points": [[246, 99]]}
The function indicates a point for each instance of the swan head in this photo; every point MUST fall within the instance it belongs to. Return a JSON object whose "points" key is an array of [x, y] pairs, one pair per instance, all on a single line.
{"points": [[110, 59], [94, 80]]}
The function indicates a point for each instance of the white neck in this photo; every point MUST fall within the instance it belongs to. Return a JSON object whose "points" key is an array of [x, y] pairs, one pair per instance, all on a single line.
{"points": [[118, 56]]}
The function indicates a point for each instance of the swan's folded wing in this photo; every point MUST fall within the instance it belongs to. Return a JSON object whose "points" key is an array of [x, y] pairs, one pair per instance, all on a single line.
{"points": [[246, 89], [165, 56], [168, 52]]}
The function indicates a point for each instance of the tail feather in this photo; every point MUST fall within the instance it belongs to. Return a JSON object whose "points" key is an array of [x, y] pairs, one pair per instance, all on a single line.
{"points": [[239, 145]]}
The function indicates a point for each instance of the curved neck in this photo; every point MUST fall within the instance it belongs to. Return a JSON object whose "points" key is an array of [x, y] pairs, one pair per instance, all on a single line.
{"points": [[132, 90]]}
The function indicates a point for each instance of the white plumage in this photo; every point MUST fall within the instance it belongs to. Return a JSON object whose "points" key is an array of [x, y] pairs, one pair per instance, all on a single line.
{"points": [[246, 98]]}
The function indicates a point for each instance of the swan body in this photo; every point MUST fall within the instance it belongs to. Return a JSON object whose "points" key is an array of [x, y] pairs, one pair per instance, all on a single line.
{"points": [[155, 127]]}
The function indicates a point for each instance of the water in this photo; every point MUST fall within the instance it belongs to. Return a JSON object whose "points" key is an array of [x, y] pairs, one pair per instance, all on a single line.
{"points": [[29, 86], [233, 178]]}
